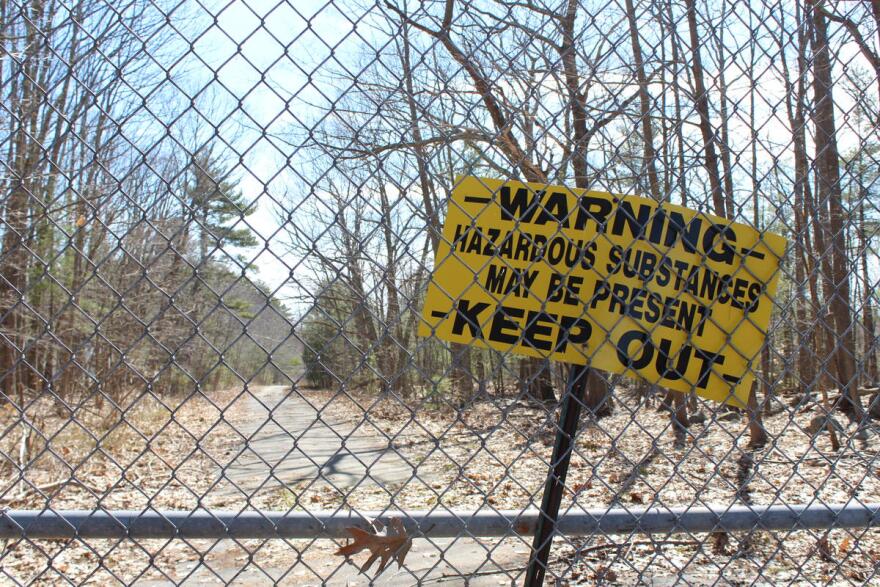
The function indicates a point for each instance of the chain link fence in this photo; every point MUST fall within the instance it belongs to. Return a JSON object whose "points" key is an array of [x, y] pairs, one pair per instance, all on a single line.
{"points": [[218, 224]]}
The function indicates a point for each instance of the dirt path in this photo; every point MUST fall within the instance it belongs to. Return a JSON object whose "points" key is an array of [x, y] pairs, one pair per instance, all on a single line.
{"points": [[289, 441]]}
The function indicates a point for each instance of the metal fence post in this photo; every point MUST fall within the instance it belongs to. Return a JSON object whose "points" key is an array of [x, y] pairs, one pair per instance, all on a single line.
{"points": [[565, 435]]}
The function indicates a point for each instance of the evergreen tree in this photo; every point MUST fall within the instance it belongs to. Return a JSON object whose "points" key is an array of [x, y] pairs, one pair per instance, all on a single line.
{"points": [[216, 207]]}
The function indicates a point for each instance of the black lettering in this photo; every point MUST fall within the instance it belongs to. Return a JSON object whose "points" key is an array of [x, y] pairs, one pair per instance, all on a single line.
{"points": [[657, 224], [490, 250], [538, 245], [572, 289], [625, 215], [460, 231], [724, 289], [716, 233], [740, 287], [536, 326], [592, 208], [686, 315], [588, 256], [565, 289], [664, 273], [754, 296], [506, 248], [554, 291], [688, 233], [522, 247], [693, 281], [495, 279], [645, 345], [501, 323], [704, 314], [465, 314], [476, 243], [634, 308], [653, 304], [572, 330], [684, 358], [709, 287], [600, 293], [669, 305], [681, 268], [555, 210], [519, 207], [708, 359], [615, 262], [649, 263], [619, 295], [555, 250]]}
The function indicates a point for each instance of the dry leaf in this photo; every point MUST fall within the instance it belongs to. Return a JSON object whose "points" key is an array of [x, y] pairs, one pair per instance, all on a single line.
{"points": [[605, 574], [582, 486], [824, 550], [394, 544], [720, 540], [856, 575], [845, 544]]}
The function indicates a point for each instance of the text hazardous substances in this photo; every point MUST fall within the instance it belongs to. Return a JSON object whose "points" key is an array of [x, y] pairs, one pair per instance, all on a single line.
{"points": [[623, 283]]}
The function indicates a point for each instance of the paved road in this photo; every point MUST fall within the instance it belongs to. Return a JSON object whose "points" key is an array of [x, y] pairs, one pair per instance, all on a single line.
{"points": [[288, 442]]}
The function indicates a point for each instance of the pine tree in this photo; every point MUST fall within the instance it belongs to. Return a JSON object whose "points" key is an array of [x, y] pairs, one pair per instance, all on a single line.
{"points": [[216, 207]]}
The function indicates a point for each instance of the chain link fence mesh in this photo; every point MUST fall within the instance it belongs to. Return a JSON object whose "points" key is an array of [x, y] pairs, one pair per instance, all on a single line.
{"points": [[218, 224]]}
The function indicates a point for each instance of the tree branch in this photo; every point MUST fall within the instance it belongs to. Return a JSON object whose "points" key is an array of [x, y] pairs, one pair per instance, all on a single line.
{"points": [[508, 141], [466, 135], [853, 29]]}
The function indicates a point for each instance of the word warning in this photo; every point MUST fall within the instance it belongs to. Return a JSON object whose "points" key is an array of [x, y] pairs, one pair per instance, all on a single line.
{"points": [[622, 283]]}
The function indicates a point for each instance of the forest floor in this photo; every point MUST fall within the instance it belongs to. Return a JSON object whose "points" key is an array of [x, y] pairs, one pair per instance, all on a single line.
{"points": [[234, 450]]}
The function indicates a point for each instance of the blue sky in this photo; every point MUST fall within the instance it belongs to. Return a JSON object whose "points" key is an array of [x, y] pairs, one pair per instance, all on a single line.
{"points": [[261, 72], [272, 62]]}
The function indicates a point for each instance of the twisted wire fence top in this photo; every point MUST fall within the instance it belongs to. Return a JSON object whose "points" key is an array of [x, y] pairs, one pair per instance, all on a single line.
{"points": [[218, 224]]}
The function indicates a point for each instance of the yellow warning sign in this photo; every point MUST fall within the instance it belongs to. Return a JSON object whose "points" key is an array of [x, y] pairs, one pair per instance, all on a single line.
{"points": [[622, 283]]}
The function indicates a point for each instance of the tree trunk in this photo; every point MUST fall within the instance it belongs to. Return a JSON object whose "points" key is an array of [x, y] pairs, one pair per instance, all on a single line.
{"points": [[536, 376], [701, 103], [829, 189], [870, 352], [645, 105], [597, 398], [676, 96], [724, 139], [461, 375], [757, 433], [806, 275], [13, 275]]}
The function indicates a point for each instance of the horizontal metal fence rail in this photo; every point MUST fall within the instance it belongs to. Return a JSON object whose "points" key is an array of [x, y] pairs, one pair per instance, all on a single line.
{"points": [[51, 524]]}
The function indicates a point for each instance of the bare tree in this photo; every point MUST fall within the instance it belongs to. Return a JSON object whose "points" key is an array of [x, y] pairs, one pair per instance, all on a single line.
{"points": [[828, 193]]}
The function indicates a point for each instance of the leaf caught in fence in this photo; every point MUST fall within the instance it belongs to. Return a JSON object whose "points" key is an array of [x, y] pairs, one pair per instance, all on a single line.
{"points": [[395, 543]]}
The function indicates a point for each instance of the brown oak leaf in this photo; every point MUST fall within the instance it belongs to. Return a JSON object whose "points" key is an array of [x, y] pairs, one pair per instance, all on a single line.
{"points": [[395, 543]]}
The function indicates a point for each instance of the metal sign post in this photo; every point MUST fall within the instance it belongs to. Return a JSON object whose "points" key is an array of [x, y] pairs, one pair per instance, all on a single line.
{"points": [[565, 436]]}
